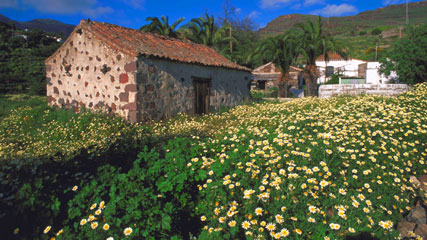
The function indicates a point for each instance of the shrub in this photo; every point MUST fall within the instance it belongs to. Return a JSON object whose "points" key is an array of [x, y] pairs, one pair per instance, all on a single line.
{"points": [[408, 57], [272, 92], [157, 197], [44, 151], [334, 79], [376, 31], [361, 33]]}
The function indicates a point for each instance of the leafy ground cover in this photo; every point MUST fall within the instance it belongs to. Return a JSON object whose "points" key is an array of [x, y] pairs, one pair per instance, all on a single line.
{"points": [[304, 169], [43, 150], [8, 102]]}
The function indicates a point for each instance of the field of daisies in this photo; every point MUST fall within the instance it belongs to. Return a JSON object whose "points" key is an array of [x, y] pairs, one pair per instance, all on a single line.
{"points": [[304, 169]]}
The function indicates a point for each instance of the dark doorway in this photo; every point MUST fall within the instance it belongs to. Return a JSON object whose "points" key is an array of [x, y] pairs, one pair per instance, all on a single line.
{"points": [[201, 95], [261, 84]]}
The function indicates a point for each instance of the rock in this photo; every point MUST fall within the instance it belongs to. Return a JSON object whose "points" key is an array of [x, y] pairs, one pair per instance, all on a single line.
{"points": [[423, 181], [421, 230], [414, 181], [404, 227], [417, 215]]}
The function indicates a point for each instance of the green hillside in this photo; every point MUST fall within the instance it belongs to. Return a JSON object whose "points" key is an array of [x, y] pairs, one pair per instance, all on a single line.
{"points": [[355, 32]]}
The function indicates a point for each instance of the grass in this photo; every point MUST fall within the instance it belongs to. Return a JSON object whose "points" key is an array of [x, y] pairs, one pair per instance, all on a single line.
{"points": [[304, 169], [8, 102]]}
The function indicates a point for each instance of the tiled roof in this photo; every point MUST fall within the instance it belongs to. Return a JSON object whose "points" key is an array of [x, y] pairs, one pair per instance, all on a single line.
{"points": [[333, 56], [134, 43], [270, 68]]}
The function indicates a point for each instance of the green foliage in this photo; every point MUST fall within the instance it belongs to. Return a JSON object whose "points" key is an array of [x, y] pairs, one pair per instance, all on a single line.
{"points": [[22, 60], [408, 56], [9, 102], [44, 152], [257, 94], [292, 155], [334, 79], [162, 26], [376, 31], [157, 197], [282, 50], [316, 43], [361, 33], [204, 31]]}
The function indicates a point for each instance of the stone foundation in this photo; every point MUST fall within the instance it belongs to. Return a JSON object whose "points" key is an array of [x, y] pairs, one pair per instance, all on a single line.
{"points": [[326, 91]]}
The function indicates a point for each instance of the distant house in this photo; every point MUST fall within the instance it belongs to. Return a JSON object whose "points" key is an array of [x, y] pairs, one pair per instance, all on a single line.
{"points": [[359, 70], [266, 76], [337, 65], [140, 76], [370, 72]]}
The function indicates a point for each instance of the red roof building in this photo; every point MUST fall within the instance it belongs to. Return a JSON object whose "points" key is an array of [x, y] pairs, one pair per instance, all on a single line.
{"points": [[140, 76]]}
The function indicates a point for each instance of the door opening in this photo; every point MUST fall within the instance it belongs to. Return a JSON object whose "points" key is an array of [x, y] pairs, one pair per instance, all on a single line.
{"points": [[201, 95]]}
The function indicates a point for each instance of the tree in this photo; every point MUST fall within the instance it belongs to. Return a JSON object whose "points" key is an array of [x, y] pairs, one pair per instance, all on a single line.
{"points": [[283, 51], [315, 43], [204, 31], [161, 26], [408, 56]]}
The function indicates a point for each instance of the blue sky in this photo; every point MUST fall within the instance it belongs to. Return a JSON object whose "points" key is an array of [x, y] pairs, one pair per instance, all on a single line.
{"points": [[132, 13]]}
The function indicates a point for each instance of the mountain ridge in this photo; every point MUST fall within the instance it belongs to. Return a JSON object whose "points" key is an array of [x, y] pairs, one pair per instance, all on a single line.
{"points": [[391, 15], [45, 24]]}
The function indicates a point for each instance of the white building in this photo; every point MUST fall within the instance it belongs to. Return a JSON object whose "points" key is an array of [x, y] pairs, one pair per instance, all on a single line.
{"points": [[337, 65], [373, 76], [369, 71]]}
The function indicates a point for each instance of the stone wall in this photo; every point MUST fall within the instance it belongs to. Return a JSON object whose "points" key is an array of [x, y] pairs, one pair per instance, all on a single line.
{"points": [[326, 91], [85, 73], [166, 88]]}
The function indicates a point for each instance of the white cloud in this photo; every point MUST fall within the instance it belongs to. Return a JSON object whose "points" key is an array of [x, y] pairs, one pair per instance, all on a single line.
{"points": [[98, 11], [273, 3], [8, 3], [313, 2], [296, 6], [335, 10], [90, 8], [237, 10], [388, 2], [254, 14], [137, 4]]}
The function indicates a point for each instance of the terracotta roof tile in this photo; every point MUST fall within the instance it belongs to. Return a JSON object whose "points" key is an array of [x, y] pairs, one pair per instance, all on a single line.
{"points": [[333, 56], [270, 68], [134, 43]]}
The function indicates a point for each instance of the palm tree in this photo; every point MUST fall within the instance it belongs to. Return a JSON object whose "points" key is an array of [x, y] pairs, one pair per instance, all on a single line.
{"points": [[283, 51], [161, 26], [315, 43], [204, 31]]}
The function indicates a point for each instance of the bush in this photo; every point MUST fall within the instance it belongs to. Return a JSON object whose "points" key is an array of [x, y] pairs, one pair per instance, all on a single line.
{"points": [[408, 57], [376, 31], [361, 33], [157, 197], [335, 79], [44, 151], [272, 92]]}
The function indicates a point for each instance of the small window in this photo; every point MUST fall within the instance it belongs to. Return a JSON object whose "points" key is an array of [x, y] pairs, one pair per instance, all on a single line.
{"points": [[329, 71]]}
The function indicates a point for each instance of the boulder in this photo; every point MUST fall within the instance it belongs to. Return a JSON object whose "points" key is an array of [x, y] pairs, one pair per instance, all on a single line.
{"points": [[404, 227], [421, 230], [417, 215]]}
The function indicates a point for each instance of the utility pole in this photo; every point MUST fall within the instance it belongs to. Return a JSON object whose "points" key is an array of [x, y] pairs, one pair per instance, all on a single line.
{"points": [[407, 17], [231, 41], [376, 51]]}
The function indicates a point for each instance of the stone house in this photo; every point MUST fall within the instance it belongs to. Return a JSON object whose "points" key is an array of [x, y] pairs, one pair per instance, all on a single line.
{"points": [[140, 76], [266, 76]]}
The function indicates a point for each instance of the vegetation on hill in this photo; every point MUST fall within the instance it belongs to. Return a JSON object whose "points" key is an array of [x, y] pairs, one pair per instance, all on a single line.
{"points": [[344, 162], [47, 25], [408, 56], [347, 30], [22, 55]]}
